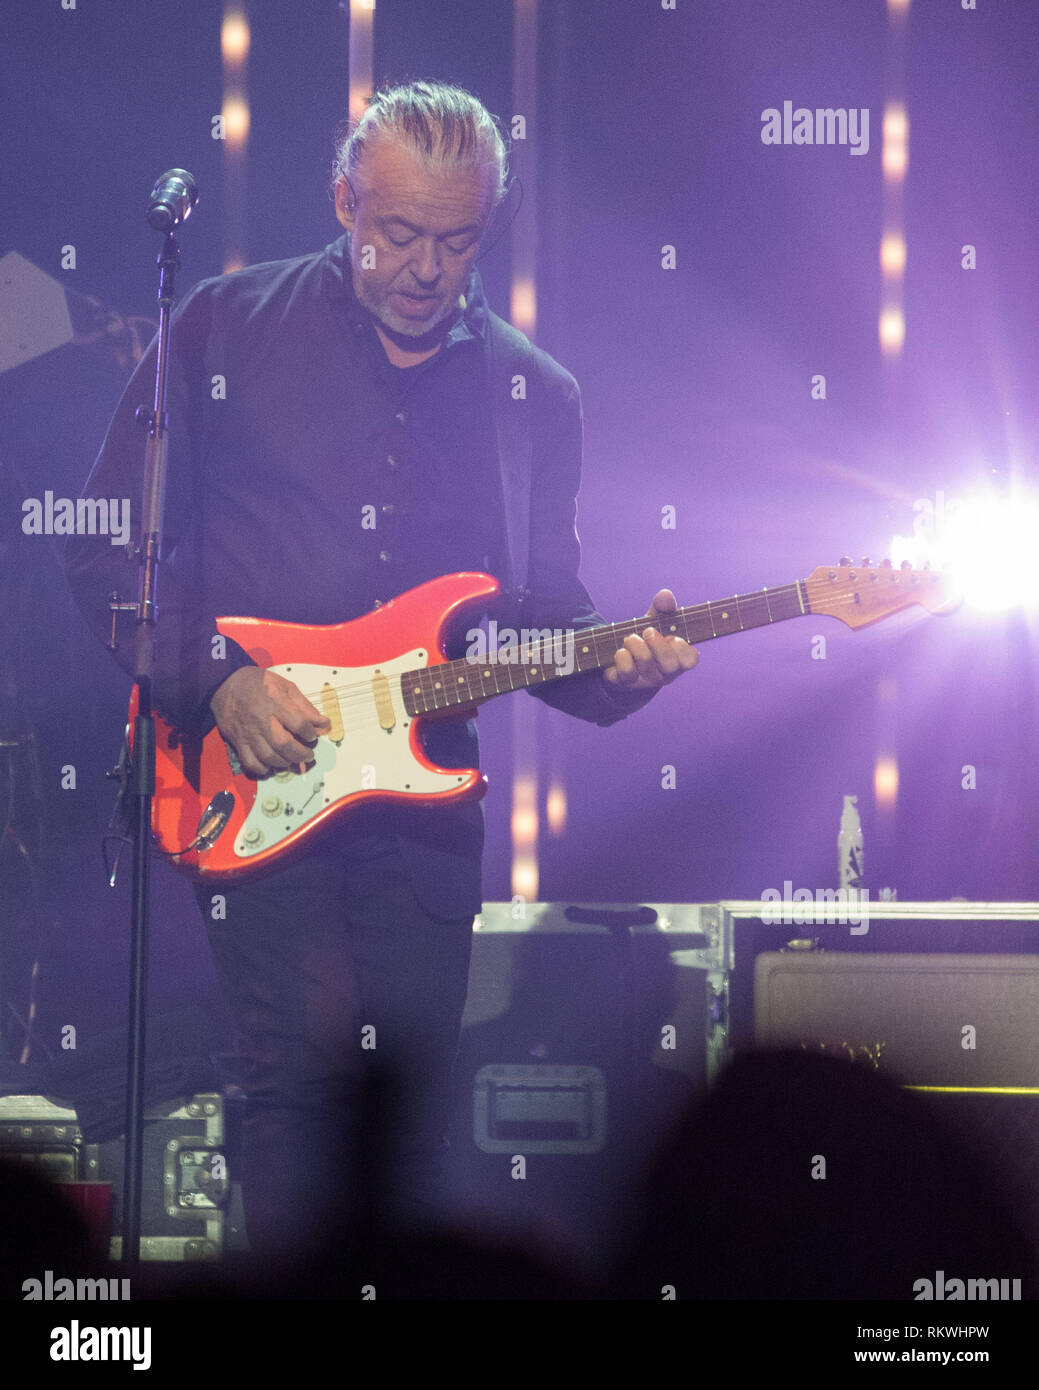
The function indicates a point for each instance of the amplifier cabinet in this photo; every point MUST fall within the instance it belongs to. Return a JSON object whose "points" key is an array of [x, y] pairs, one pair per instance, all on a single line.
{"points": [[748, 928], [926, 1020], [960, 1030]]}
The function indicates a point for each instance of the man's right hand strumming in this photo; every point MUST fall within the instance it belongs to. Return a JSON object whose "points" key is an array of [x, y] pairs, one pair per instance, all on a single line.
{"points": [[267, 719]]}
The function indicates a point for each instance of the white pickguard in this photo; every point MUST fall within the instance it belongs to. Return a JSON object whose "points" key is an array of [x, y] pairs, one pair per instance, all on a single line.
{"points": [[368, 758]]}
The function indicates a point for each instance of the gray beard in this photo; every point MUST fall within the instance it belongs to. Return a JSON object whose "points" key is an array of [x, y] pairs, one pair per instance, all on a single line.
{"points": [[405, 328], [397, 323]]}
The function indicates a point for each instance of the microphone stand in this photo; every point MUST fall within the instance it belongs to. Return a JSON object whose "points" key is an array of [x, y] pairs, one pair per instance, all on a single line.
{"points": [[142, 775]]}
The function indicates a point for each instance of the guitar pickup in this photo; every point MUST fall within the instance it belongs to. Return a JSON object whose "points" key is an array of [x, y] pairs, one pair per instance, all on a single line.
{"points": [[383, 701], [328, 702]]}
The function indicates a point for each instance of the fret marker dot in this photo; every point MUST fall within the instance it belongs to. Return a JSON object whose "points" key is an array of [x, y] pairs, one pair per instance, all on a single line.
{"points": [[725, 615], [436, 685], [486, 675]]}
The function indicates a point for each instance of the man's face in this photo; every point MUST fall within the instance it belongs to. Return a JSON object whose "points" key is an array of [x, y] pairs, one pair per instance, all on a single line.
{"points": [[424, 230]]}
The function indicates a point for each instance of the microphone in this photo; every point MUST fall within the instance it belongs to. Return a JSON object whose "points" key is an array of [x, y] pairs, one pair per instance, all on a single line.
{"points": [[171, 200]]}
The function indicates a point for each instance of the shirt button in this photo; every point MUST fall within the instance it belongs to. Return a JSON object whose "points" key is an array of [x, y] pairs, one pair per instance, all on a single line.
{"points": [[384, 557]]}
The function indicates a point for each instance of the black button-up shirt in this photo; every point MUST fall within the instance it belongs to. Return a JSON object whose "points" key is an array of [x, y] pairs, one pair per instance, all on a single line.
{"points": [[310, 480]]}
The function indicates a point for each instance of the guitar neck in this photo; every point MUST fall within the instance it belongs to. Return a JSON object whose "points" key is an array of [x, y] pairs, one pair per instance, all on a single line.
{"points": [[547, 656]]}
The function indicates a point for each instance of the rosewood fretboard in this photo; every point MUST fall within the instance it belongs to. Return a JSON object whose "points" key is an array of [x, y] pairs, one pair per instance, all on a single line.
{"points": [[467, 681]]}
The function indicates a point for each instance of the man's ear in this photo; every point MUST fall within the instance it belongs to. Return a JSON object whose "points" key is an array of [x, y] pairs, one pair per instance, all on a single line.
{"points": [[346, 203]]}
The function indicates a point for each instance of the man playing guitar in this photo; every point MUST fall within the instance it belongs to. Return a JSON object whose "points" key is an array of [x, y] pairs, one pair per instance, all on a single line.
{"points": [[345, 426]]}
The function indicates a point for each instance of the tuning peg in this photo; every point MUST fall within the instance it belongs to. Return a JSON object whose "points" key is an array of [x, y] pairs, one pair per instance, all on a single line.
{"points": [[844, 560], [866, 562], [906, 565], [885, 563], [927, 564]]}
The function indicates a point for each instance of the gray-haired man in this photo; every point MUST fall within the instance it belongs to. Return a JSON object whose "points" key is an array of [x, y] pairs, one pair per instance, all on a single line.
{"points": [[366, 375]]}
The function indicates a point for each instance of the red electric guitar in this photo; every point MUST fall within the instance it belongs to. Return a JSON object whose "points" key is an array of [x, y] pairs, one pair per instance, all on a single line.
{"points": [[379, 678]]}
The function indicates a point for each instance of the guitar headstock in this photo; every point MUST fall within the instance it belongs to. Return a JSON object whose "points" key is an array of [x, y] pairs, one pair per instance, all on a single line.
{"points": [[863, 594]]}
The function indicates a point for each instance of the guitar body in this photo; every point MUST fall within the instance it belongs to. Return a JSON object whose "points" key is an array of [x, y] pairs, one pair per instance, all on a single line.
{"points": [[373, 752]]}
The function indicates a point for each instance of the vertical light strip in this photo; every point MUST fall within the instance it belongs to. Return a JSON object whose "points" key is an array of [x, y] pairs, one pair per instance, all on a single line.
{"points": [[555, 807], [234, 52], [885, 783], [362, 57], [891, 332], [523, 306], [885, 768], [524, 821], [891, 327], [523, 313]]}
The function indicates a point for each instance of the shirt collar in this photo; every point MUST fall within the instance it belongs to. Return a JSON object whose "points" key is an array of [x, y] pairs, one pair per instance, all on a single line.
{"points": [[338, 286]]}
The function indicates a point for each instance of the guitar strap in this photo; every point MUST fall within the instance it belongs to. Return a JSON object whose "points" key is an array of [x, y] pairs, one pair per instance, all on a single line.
{"points": [[510, 358]]}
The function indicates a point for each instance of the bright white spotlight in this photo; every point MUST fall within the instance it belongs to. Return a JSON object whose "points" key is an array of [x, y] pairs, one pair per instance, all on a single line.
{"points": [[991, 544]]}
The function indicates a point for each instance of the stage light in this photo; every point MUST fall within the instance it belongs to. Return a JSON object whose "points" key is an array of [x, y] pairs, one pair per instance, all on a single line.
{"points": [[555, 808], [524, 826], [361, 56], [893, 254], [525, 877], [988, 541], [895, 156], [523, 305], [885, 782], [236, 123], [891, 330], [234, 39]]}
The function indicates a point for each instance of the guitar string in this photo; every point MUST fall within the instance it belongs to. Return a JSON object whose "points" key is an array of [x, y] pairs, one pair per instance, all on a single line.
{"points": [[536, 653], [530, 656], [362, 689], [360, 692], [538, 650]]}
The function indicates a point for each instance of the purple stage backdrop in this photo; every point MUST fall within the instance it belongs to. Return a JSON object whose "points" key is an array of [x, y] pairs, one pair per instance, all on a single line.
{"points": [[712, 275]]}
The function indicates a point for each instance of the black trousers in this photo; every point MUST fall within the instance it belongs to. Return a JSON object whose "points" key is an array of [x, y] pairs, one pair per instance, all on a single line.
{"points": [[339, 980]]}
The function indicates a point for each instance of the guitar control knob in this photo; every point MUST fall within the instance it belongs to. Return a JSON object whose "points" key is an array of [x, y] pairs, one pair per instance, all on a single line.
{"points": [[285, 775], [253, 837], [270, 805]]}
